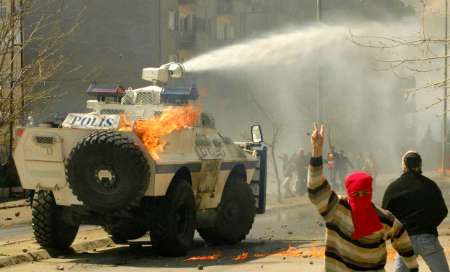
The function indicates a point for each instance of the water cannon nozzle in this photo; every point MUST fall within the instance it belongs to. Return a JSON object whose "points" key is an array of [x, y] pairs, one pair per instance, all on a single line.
{"points": [[164, 73], [176, 70]]}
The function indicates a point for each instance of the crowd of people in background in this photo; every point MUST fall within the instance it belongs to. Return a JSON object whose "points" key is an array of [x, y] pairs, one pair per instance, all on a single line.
{"points": [[337, 164]]}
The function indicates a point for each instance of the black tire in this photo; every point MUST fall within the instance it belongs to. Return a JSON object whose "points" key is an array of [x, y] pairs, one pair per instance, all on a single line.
{"points": [[49, 228], [172, 233], [107, 172], [235, 215], [124, 231]]}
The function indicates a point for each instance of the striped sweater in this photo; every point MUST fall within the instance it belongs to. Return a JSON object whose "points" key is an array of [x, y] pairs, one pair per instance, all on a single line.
{"points": [[343, 254]]}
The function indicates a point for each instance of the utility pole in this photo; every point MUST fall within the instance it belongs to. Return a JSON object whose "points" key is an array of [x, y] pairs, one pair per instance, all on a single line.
{"points": [[319, 70], [12, 14], [159, 33], [22, 91], [445, 132]]}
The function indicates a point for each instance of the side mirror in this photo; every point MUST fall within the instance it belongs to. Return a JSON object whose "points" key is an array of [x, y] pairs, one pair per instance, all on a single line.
{"points": [[257, 136]]}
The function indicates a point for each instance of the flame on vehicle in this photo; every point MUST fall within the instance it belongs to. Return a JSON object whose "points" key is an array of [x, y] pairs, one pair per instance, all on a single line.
{"points": [[216, 255], [151, 131]]}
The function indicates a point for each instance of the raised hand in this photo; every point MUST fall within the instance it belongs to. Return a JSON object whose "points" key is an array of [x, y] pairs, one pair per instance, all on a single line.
{"points": [[317, 140]]}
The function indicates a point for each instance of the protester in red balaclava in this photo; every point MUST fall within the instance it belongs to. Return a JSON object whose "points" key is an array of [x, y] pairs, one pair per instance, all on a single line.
{"points": [[364, 214], [356, 230]]}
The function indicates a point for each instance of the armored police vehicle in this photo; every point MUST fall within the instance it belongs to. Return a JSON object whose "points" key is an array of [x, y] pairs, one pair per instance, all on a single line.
{"points": [[88, 170]]}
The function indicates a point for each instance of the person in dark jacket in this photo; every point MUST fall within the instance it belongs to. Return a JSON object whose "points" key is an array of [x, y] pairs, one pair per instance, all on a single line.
{"points": [[418, 203]]}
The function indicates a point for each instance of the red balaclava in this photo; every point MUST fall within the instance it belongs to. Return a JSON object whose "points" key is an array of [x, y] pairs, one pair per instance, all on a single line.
{"points": [[364, 215]]}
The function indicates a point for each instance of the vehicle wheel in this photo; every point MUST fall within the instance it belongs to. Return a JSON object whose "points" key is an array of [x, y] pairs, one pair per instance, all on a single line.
{"points": [[107, 172], [172, 233], [236, 213], [124, 231], [49, 228]]}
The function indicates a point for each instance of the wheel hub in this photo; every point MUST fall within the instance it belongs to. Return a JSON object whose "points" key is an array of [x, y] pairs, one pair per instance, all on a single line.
{"points": [[106, 177]]}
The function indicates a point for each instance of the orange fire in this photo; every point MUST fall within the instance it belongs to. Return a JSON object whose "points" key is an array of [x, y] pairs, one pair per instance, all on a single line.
{"points": [[313, 251], [216, 255], [152, 130], [241, 257], [317, 251], [291, 252]]}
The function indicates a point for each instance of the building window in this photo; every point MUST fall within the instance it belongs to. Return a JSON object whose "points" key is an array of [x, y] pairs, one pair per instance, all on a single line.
{"points": [[172, 20], [18, 38], [224, 28], [3, 9], [225, 7], [256, 6], [225, 32], [200, 24], [185, 23]]}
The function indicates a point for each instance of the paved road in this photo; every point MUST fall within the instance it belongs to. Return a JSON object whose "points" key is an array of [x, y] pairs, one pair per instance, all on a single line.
{"points": [[298, 226], [24, 232], [273, 232]]}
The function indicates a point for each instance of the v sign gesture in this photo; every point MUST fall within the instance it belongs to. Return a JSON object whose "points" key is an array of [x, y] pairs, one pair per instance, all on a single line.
{"points": [[317, 139]]}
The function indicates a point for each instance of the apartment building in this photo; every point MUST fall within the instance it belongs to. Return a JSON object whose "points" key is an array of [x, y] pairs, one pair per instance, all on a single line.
{"points": [[190, 27]]}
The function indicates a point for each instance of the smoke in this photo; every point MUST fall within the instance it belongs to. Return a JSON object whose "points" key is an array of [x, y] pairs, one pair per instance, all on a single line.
{"points": [[364, 108]]}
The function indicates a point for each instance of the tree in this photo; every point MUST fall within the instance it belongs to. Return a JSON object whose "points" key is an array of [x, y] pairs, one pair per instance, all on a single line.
{"points": [[31, 28], [418, 56], [31, 39]]}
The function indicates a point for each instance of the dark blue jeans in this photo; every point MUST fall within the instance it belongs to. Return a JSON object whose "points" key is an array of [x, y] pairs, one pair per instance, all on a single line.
{"points": [[428, 247]]}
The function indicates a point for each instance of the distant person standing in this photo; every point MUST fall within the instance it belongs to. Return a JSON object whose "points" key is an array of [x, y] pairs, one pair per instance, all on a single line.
{"points": [[288, 173], [359, 161], [418, 203], [371, 166], [301, 166], [331, 165]]}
